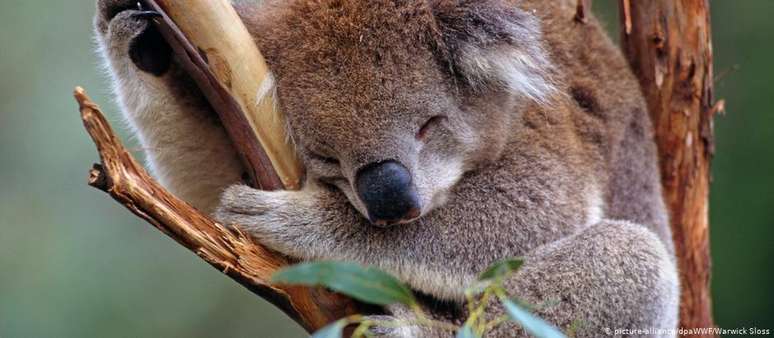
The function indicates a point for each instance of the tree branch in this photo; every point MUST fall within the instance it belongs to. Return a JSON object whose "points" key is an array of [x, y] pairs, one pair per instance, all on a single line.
{"points": [[220, 55], [231, 252], [215, 48], [668, 44]]}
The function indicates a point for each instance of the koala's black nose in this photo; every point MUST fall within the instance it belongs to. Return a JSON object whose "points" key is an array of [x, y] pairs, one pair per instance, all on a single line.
{"points": [[388, 193]]}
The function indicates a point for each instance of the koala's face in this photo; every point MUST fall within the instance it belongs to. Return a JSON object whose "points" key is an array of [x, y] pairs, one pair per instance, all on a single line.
{"points": [[394, 143], [391, 136], [393, 101]]}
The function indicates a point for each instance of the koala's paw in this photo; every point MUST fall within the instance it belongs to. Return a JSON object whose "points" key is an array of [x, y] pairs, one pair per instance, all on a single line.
{"points": [[277, 219], [108, 9], [125, 30]]}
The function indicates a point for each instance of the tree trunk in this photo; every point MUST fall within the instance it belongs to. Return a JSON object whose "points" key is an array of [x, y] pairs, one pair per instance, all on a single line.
{"points": [[668, 44]]}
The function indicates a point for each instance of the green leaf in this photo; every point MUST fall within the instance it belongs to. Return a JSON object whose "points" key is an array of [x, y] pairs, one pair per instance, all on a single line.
{"points": [[366, 284], [466, 332], [532, 324], [333, 330], [501, 269]]}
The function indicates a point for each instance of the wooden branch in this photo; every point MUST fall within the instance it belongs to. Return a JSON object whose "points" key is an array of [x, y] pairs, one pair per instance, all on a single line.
{"points": [[216, 49], [668, 44], [231, 252]]}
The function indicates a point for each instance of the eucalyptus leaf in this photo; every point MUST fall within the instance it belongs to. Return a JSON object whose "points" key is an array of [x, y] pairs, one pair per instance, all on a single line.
{"points": [[333, 330], [501, 269], [532, 324], [466, 332], [366, 284]]}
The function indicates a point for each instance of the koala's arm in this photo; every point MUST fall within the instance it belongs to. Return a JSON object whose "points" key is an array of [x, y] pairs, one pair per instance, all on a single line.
{"points": [[185, 146], [317, 223]]}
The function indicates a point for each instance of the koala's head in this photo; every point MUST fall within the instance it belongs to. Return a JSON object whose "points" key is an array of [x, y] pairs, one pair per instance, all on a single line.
{"points": [[393, 101]]}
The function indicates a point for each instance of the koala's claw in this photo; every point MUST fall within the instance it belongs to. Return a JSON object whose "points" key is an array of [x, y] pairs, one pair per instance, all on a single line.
{"points": [[146, 14], [126, 30], [107, 10]]}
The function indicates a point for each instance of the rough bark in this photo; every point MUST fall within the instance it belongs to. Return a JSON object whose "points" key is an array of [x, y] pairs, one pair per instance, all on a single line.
{"points": [[668, 44]]}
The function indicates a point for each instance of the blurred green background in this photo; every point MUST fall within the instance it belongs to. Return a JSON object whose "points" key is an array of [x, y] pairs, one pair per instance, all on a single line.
{"points": [[75, 264]]}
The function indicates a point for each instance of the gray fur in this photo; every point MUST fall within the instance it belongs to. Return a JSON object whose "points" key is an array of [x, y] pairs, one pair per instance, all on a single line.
{"points": [[545, 150]]}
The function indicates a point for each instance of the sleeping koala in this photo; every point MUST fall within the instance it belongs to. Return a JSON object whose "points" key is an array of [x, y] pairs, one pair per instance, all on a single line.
{"points": [[439, 136]]}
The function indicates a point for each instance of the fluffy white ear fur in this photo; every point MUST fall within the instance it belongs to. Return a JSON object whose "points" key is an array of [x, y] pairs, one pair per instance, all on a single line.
{"points": [[507, 66], [495, 45]]}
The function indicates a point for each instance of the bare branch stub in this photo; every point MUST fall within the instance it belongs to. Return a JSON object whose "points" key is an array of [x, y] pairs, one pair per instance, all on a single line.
{"points": [[626, 15], [583, 7]]}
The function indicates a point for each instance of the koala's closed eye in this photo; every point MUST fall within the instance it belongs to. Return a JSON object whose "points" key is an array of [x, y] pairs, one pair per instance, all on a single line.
{"points": [[326, 168], [429, 126], [323, 159]]}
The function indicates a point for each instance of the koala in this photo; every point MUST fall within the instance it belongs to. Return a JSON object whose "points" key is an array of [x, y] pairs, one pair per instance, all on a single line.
{"points": [[439, 136]]}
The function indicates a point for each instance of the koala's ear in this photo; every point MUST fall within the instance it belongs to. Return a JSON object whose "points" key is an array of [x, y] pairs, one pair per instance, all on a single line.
{"points": [[492, 44]]}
